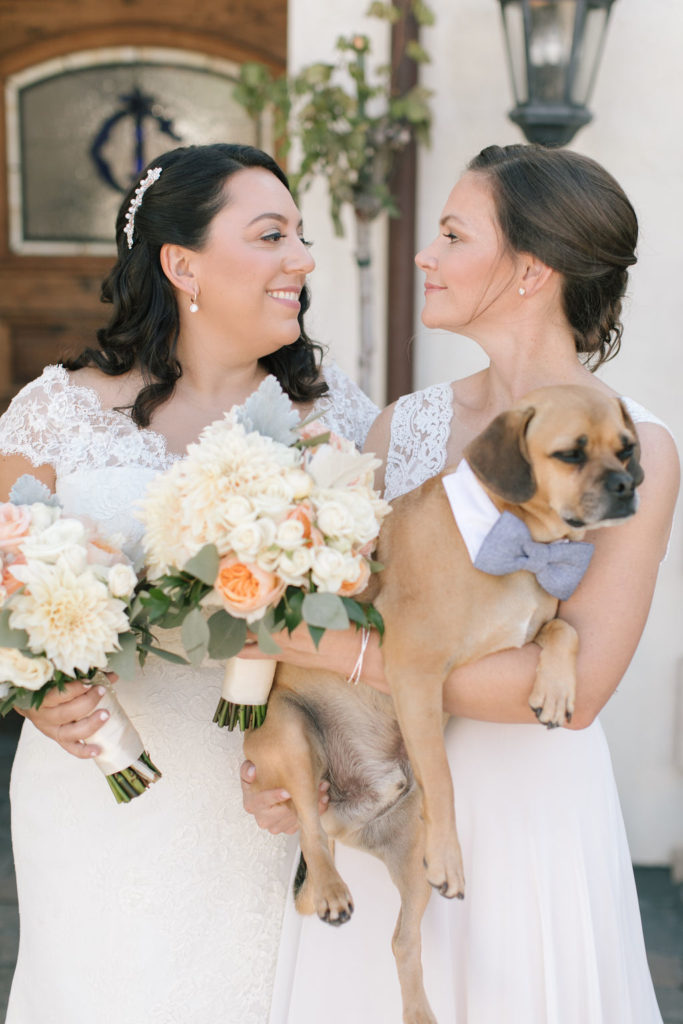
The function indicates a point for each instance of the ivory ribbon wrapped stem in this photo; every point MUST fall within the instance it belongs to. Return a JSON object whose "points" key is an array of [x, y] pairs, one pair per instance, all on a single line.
{"points": [[244, 693], [123, 758]]}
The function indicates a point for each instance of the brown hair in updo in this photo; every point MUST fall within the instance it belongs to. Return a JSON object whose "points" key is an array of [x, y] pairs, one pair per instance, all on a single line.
{"points": [[566, 210]]}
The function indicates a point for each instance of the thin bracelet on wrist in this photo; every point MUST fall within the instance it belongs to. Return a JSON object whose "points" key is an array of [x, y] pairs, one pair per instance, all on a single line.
{"points": [[358, 667]]}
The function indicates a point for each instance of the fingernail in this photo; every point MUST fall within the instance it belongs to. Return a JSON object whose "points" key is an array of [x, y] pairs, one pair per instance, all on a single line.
{"points": [[325, 798], [103, 716], [94, 753], [284, 795], [101, 690], [251, 772]]}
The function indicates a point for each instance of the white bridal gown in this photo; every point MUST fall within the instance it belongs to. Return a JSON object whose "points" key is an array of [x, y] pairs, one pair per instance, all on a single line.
{"points": [[549, 931], [167, 910]]}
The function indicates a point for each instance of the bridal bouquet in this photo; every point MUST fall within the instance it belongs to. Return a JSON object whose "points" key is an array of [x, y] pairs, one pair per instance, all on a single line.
{"points": [[69, 610], [271, 520]]}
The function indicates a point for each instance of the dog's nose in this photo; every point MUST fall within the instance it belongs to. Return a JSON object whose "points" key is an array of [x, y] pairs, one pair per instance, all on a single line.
{"points": [[619, 483]]}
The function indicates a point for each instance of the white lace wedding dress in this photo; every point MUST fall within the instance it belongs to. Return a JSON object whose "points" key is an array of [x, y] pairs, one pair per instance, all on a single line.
{"points": [[167, 910], [549, 931]]}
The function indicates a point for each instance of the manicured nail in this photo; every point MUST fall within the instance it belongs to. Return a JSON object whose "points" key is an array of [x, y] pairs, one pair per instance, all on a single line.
{"points": [[101, 690], [103, 716], [284, 795]]}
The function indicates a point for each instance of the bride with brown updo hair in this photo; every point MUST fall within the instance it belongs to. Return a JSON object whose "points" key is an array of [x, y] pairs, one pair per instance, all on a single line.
{"points": [[530, 261]]}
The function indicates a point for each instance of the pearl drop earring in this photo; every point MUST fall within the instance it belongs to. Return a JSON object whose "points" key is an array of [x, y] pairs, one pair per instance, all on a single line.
{"points": [[522, 291], [193, 305]]}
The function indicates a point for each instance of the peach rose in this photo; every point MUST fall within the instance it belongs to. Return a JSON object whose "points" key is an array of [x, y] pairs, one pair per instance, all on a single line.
{"points": [[350, 588], [246, 590], [15, 521]]}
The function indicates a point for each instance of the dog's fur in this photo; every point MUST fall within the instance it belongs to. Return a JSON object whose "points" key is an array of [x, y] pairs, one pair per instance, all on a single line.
{"points": [[563, 460]]}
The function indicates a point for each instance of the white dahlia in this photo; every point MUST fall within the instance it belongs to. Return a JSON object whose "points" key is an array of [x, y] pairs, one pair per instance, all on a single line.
{"points": [[72, 619]]}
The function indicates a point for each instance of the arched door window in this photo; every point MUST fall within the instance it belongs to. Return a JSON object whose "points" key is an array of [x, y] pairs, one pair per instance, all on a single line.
{"points": [[80, 128]]}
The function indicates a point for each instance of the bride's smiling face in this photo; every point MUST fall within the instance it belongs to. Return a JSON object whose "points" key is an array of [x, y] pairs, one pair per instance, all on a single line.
{"points": [[253, 265], [470, 273]]}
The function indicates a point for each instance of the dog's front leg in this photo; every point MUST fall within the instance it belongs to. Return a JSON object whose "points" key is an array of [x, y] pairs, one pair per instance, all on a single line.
{"points": [[554, 692], [418, 698]]}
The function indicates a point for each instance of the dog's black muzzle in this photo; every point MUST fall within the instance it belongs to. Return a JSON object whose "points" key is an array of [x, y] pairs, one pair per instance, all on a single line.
{"points": [[620, 488]]}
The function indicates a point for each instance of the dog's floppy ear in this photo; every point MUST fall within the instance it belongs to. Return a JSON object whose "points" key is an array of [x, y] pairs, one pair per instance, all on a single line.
{"points": [[499, 456], [633, 464]]}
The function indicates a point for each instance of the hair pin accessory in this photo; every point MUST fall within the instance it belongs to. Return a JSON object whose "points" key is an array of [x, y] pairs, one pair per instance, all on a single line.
{"points": [[149, 179]]}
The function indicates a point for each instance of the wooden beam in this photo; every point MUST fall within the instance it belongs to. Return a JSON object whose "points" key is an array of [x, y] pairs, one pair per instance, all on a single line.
{"points": [[401, 287]]}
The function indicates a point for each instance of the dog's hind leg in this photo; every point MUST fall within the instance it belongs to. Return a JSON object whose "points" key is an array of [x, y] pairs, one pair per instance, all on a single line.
{"points": [[286, 754], [403, 858]]}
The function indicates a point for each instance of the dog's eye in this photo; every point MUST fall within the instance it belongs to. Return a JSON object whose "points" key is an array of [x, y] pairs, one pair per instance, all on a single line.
{"points": [[626, 452], [575, 456]]}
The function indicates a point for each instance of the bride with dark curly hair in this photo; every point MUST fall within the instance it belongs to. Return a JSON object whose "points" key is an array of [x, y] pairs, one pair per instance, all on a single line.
{"points": [[168, 910]]}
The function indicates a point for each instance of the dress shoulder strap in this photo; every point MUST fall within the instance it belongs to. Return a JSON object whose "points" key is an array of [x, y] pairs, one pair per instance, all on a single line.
{"points": [[420, 428]]}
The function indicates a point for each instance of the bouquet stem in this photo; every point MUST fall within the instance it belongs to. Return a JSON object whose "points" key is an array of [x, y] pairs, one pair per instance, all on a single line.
{"points": [[244, 694], [128, 768]]}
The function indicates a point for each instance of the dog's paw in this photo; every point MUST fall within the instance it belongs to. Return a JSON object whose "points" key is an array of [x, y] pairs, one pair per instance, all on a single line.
{"points": [[445, 871], [553, 708], [335, 905]]}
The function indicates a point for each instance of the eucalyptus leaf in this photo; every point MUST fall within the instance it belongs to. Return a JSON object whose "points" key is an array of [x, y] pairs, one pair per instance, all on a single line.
{"points": [[124, 662], [11, 637], [326, 611], [265, 640], [226, 635], [204, 565], [175, 659], [195, 636]]}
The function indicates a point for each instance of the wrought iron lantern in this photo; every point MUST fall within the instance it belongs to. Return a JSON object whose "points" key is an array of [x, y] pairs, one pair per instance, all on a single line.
{"points": [[554, 48]]}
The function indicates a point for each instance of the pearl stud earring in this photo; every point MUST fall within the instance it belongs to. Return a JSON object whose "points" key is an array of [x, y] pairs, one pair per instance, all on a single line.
{"points": [[522, 291], [193, 305]]}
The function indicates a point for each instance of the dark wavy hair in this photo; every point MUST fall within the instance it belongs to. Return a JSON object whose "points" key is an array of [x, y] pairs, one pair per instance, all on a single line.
{"points": [[566, 210], [143, 327]]}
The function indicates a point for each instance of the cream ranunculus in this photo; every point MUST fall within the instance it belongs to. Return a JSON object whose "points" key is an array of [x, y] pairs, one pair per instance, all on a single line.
{"points": [[73, 619], [43, 516], [121, 581], [17, 669], [300, 482]]}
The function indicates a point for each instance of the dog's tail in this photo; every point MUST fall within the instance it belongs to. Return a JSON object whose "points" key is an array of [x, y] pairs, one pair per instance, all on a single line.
{"points": [[303, 898]]}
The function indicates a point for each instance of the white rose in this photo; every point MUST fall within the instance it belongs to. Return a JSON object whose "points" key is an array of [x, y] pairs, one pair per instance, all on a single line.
{"points": [[334, 519], [17, 669], [121, 581], [291, 534], [54, 540], [247, 539], [293, 567], [237, 510], [329, 569]]}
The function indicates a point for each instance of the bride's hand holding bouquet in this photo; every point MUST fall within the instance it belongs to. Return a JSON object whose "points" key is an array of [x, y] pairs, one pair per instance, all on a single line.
{"points": [[271, 520], [69, 611]]}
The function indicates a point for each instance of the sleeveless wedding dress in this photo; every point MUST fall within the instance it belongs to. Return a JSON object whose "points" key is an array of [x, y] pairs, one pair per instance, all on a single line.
{"points": [[167, 910], [549, 931]]}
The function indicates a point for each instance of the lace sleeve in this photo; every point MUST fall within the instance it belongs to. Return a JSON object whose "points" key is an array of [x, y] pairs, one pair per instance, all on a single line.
{"points": [[345, 408], [32, 425], [420, 428]]}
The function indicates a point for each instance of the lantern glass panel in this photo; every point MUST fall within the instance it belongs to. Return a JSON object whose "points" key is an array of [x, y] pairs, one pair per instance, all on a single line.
{"points": [[513, 18], [589, 55], [551, 34]]}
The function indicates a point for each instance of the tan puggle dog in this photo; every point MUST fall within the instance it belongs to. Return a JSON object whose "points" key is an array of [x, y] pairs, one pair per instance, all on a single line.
{"points": [[563, 460]]}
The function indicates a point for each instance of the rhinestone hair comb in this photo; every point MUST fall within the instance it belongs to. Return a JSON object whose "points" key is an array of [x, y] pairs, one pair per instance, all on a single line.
{"points": [[149, 179]]}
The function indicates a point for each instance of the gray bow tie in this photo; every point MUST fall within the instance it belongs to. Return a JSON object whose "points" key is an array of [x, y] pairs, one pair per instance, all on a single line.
{"points": [[558, 566]]}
